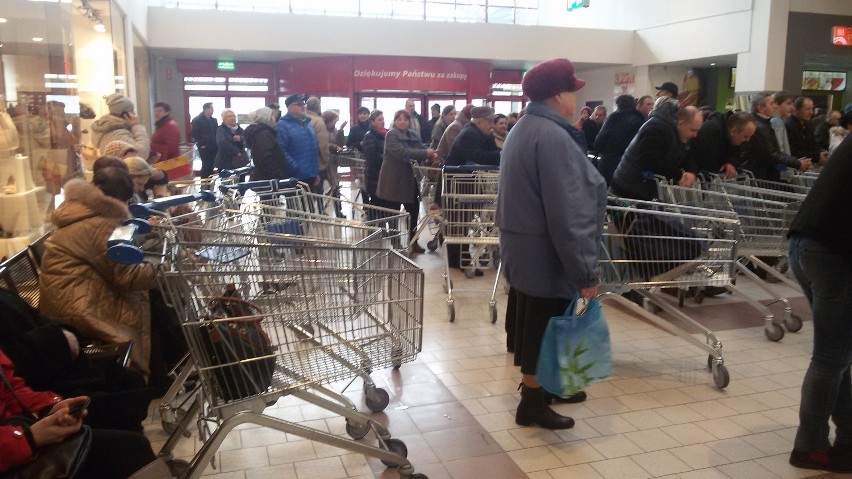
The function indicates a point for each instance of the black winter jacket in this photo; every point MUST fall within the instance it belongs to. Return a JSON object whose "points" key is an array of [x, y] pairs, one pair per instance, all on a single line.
{"points": [[802, 140], [616, 133], [356, 134], [373, 147], [711, 148], [472, 147], [655, 148], [269, 162], [764, 154]]}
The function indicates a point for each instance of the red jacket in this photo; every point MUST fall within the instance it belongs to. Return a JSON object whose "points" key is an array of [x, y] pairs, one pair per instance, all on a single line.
{"points": [[13, 444], [166, 138]]}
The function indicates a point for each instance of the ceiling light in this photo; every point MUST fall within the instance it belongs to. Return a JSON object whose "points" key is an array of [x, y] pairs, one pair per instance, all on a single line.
{"points": [[712, 64], [3, 20], [99, 27], [37, 39]]}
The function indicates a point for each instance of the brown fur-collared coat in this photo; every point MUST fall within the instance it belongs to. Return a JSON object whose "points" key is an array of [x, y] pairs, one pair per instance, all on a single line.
{"points": [[105, 301]]}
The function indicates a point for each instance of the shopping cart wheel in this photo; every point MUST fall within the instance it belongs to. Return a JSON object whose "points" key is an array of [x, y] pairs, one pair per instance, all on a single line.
{"points": [[469, 272], [177, 467], [681, 296], [356, 430], [452, 309], [172, 420], [793, 322], [493, 309], [432, 244], [397, 447], [720, 375], [773, 332], [377, 399], [698, 297]]}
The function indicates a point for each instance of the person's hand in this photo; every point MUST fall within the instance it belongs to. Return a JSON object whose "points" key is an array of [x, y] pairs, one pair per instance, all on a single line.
{"points": [[805, 164], [823, 157], [73, 343], [729, 170], [131, 118], [343, 125], [236, 137], [66, 405], [154, 220], [55, 427], [686, 180], [430, 153], [590, 292], [317, 180]]}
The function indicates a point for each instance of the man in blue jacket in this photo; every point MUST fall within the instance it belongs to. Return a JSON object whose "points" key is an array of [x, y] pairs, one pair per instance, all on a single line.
{"points": [[299, 142]]}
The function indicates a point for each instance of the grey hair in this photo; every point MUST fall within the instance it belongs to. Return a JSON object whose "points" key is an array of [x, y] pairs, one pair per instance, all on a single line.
{"points": [[226, 111], [261, 115]]}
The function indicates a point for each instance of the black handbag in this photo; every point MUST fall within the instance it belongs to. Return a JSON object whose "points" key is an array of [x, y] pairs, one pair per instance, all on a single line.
{"points": [[61, 460]]}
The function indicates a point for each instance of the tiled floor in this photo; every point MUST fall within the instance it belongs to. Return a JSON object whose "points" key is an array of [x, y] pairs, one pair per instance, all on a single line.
{"points": [[659, 416]]}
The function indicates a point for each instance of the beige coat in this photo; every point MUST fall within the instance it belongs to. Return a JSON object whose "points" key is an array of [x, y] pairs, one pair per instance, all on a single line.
{"points": [[110, 128], [323, 139], [105, 301]]}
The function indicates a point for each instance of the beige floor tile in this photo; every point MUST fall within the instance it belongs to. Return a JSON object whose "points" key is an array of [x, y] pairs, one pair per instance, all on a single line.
{"points": [[579, 471], [282, 471], [660, 463], [328, 468], [261, 437], [577, 452], [534, 436], [771, 443], [722, 428], [245, 458], [581, 430], [461, 442], [699, 456], [607, 425], [652, 440], [646, 419], [620, 468], [735, 449], [535, 459], [703, 474], [779, 466], [687, 434], [747, 469], [614, 446], [495, 466], [291, 452]]}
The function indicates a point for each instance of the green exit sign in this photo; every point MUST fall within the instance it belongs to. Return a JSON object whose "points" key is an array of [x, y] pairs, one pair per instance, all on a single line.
{"points": [[575, 4], [226, 66]]}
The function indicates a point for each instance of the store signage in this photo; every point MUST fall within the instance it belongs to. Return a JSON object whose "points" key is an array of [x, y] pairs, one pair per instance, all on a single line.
{"points": [[420, 74], [575, 4], [226, 66], [841, 36]]}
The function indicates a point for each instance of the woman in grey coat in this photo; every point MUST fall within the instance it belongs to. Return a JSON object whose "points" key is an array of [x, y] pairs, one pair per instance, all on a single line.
{"points": [[397, 185], [551, 213]]}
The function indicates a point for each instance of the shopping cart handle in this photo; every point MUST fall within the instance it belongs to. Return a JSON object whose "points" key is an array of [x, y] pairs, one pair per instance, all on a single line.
{"points": [[125, 254], [266, 185], [470, 168], [244, 170], [144, 210], [124, 233]]}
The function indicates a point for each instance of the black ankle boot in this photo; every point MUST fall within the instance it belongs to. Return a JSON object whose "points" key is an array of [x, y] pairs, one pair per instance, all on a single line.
{"points": [[534, 410], [579, 396]]}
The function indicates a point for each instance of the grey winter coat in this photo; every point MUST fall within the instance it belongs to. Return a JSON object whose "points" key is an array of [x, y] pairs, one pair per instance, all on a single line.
{"points": [[550, 209], [396, 178]]}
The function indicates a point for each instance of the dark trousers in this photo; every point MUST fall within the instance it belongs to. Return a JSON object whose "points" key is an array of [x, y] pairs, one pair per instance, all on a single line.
{"points": [[826, 279], [168, 345], [208, 157], [116, 454]]}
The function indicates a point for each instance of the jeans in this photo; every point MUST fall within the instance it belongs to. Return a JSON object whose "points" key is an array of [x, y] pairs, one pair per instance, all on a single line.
{"points": [[826, 278]]}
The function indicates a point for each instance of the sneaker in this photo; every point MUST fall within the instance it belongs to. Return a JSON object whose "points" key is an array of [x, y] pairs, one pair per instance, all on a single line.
{"points": [[832, 460]]}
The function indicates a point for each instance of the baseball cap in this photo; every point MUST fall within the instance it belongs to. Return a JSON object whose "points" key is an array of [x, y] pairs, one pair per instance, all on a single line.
{"points": [[669, 87]]}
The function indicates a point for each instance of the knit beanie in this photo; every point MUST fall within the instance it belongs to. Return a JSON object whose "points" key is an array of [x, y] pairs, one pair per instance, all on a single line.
{"points": [[119, 104]]}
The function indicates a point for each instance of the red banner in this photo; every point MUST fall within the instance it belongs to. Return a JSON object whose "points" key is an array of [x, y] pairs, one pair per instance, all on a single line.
{"points": [[841, 36]]}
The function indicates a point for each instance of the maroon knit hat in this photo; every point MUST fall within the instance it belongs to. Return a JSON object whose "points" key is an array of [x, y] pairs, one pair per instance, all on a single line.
{"points": [[550, 78], [466, 110]]}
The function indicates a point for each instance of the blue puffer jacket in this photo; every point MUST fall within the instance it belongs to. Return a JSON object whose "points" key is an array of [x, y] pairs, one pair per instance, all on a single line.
{"points": [[299, 142]]}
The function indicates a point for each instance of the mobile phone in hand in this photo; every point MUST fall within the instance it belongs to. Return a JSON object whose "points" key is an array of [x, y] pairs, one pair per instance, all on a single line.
{"points": [[77, 409]]}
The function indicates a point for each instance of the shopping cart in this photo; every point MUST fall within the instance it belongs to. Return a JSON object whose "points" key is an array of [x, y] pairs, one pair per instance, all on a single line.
{"points": [[351, 168], [469, 205], [266, 318], [431, 220], [806, 179], [765, 223], [747, 182], [648, 245], [292, 196], [211, 183]]}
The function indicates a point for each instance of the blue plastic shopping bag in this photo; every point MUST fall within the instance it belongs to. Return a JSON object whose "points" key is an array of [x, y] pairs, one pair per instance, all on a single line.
{"points": [[575, 350]]}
